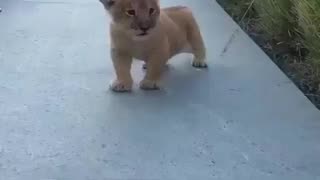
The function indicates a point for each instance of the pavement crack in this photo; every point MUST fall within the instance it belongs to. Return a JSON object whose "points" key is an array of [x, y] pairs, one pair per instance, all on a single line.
{"points": [[230, 41]]}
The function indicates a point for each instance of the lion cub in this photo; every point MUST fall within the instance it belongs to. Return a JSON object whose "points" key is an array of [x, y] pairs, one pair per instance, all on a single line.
{"points": [[141, 30]]}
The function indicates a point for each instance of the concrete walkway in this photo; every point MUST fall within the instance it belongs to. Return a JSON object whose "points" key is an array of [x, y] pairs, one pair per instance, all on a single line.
{"points": [[243, 119]]}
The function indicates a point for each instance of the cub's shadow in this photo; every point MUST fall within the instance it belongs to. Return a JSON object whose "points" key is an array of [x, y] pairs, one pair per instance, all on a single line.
{"points": [[182, 84]]}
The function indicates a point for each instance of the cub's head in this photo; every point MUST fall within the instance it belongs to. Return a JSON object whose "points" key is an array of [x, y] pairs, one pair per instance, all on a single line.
{"points": [[136, 17]]}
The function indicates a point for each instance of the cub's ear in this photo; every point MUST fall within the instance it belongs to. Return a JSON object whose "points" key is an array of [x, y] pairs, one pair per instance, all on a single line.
{"points": [[107, 3]]}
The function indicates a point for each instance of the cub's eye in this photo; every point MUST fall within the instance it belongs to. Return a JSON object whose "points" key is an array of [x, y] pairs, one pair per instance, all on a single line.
{"points": [[152, 11], [131, 12]]}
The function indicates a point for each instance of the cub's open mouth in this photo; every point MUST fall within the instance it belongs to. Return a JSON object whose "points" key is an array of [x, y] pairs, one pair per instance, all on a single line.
{"points": [[143, 34]]}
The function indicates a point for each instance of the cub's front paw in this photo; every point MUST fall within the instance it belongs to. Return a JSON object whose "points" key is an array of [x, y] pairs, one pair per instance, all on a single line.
{"points": [[121, 86], [149, 85], [199, 64]]}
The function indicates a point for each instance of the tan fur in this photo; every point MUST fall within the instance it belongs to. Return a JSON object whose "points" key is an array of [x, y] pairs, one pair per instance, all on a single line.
{"points": [[170, 31]]}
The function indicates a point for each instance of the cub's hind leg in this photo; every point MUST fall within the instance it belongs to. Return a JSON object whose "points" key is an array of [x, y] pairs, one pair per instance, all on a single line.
{"points": [[197, 45]]}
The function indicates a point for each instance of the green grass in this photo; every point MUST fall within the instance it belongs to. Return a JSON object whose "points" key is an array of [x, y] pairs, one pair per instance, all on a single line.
{"points": [[275, 18], [236, 8], [289, 32]]}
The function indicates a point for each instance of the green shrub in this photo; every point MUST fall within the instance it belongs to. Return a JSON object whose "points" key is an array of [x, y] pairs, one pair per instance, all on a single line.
{"points": [[308, 17]]}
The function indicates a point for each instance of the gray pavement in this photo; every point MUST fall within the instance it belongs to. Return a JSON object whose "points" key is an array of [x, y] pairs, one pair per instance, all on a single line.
{"points": [[242, 119]]}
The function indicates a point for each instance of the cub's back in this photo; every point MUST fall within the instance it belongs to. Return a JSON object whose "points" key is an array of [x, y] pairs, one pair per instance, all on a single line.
{"points": [[180, 26], [181, 15]]}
